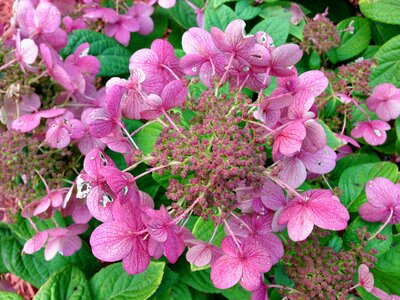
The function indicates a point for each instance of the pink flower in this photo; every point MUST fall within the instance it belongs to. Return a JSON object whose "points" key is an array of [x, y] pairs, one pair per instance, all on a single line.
{"points": [[259, 228], [365, 278], [383, 201], [202, 56], [164, 232], [373, 132], [270, 108], [121, 28], [159, 64], [293, 170], [103, 121], [297, 13], [92, 185], [64, 240], [27, 123], [201, 253], [122, 184], [243, 48], [314, 207], [141, 13], [26, 51], [242, 263], [288, 141], [88, 65], [385, 101], [62, 129], [71, 24], [35, 243], [122, 238], [42, 24], [283, 58], [173, 95]]}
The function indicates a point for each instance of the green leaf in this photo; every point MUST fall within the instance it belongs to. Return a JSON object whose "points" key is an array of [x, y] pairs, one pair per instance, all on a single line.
{"points": [[199, 280], [246, 11], [350, 236], [385, 11], [113, 282], [276, 27], [388, 69], [9, 296], [381, 32], [69, 283], [275, 11], [397, 126], [147, 136], [387, 270], [353, 180], [297, 30], [236, 292], [113, 57], [177, 292], [217, 3], [331, 139], [354, 43], [183, 14], [219, 17], [315, 61], [352, 160]]}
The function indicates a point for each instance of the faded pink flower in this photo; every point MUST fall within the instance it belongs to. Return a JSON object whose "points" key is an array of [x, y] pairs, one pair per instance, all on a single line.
{"points": [[173, 95], [29, 122], [297, 13], [383, 201], [385, 101], [123, 238], [373, 132], [202, 56], [314, 207], [288, 141], [242, 263], [141, 13], [365, 278]]}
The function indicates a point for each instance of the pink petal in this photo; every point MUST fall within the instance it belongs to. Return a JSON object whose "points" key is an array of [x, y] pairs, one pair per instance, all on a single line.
{"points": [[365, 277], [29, 51], [321, 162], [199, 255], [26, 123], [226, 272], [373, 214], [290, 138], [292, 171], [35, 243], [138, 258], [49, 17], [381, 192], [315, 138], [111, 241], [174, 94], [251, 278]]}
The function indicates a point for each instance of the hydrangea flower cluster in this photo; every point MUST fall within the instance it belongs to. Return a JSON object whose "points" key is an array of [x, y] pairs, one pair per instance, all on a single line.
{"points": [[229, 152]]}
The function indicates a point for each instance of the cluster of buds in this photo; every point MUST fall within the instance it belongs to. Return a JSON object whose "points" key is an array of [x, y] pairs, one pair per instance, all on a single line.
{"points": [[320, 35]]}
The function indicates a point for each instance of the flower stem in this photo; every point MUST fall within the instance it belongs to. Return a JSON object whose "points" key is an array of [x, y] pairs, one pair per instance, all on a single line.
{"points": [[171, 71], [156, 169], [221, 81], [172, 123], [382, 226], [8, 64]]}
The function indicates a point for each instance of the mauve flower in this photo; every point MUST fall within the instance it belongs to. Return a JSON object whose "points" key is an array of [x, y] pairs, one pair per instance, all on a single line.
{"points": [[92, 185], [373, 132], [164, 232], [159, 64], [62, 129], [141, 13], [297, 13], [73, 24], [103, 121], [288, 141], [270, 108], [242, 263], [385, 101], [121, 28], [314, 207], [64, 240], [293, 170], [122, 238], [88, 65], [35, 243], [365, 278], [173, 95], [29, 122], [201, 253], [42, 24], [26, 51], [202, 56], [383, 201], [238, 46]]}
